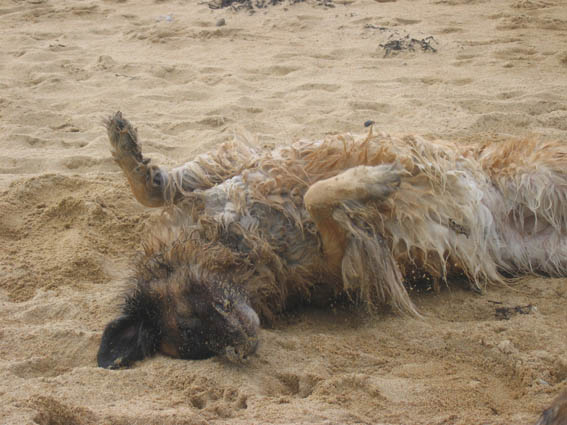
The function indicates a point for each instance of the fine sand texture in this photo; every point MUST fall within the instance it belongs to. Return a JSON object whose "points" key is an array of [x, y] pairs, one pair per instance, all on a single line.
{"points": [[466, 70]]}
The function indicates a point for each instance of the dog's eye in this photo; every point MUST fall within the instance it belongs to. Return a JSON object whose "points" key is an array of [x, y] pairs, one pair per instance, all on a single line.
{"points": [[224, 306], [157, 180], [227, 305]]}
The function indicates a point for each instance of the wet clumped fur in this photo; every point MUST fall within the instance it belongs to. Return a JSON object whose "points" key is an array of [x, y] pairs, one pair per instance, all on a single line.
{"points": [[248, 232]]}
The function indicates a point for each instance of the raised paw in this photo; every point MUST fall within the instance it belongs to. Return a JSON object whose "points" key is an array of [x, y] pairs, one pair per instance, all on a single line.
{"points": [[148, 182], [382, 180], [360, 183], [124, 141], [370, 182]]}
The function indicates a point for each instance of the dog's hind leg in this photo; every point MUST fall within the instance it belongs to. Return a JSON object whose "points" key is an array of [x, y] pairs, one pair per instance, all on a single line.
{"points": [[360, 183], [352, 243]]}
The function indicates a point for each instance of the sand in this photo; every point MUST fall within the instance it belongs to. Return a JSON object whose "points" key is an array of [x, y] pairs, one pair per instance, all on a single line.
{"points": [[69, 225]]}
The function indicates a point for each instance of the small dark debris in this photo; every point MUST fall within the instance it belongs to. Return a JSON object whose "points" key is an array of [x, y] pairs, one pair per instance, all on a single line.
{"points": [[221, 22], [505, 313], [457, 228], [475, 288], [368, 123], [410, 44], [375, 27], [419, 282]]}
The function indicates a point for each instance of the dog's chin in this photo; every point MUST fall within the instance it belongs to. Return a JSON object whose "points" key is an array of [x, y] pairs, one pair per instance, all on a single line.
{"points": [[246, 325]]}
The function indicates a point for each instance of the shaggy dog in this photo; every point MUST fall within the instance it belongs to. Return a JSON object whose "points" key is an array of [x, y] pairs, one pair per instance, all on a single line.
{"points": [[248, 232]]}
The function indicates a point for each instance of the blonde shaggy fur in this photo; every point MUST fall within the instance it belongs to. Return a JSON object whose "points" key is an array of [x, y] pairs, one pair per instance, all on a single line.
{"points": [[357, 214]]}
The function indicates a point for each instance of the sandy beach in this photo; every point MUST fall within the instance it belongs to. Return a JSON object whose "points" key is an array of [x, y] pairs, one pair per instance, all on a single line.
{"points": [[190, 76]]}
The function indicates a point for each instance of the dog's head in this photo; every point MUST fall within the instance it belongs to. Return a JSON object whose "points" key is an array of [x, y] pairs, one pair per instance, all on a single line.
{"points": [[186, 315]]}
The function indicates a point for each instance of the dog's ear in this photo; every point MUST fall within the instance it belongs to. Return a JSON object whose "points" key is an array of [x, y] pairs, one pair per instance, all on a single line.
{"points": [[124, 341]]}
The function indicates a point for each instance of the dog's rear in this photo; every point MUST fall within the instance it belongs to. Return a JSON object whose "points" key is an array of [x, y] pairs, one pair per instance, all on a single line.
{"points": [[556, 414]]}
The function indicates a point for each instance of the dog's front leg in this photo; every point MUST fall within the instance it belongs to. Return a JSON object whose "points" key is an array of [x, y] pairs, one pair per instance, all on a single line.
{"points": [[148, 182]]}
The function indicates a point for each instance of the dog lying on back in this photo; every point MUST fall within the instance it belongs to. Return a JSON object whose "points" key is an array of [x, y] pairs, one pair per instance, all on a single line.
{"points": [[249, 232]]}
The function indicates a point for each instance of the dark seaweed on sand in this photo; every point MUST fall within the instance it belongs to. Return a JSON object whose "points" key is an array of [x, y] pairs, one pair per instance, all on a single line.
{"points": [[409, 43], [505, 313]]}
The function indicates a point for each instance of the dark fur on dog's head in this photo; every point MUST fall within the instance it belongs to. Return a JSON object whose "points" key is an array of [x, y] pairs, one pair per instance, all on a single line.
{"points": [[184, 314], [132, 336]]}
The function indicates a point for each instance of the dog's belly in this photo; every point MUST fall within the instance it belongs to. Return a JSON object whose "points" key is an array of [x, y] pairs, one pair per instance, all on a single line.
{"points": [[279, 222]]}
